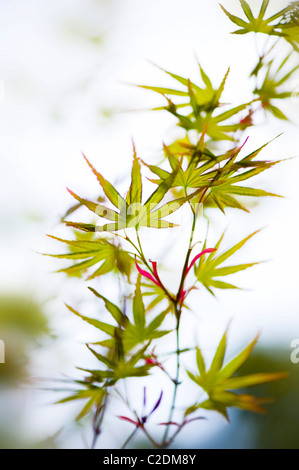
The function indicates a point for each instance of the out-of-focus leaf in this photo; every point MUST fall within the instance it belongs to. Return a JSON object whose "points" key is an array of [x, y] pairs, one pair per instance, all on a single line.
{"points": [[218, 381], [112, 257], [200, 362], [93, 395], [200, 106], [288, 27], [270, 88]]}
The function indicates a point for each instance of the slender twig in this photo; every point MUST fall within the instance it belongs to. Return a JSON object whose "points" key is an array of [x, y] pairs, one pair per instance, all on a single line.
{"points": [[129, 438], [155, 444], [141, 250], [178, 311], [176, 383], [170, 297], [187, 259], [132, 243], [175, 435], [97, 425]]}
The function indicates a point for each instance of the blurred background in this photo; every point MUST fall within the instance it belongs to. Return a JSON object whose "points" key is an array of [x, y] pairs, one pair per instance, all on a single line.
{"points": [[66, 74]]}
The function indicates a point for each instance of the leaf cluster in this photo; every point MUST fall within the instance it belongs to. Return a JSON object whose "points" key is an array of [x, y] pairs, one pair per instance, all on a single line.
{"points": [[201, 107], [208, 167], [127, 342]]}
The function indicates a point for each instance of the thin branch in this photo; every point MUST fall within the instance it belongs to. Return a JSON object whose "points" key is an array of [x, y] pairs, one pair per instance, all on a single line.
{"points": [[129, 438]]}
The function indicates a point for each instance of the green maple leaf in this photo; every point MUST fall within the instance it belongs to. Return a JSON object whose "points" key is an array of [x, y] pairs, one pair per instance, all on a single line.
{"points": [[119, 363], [199, 98], [157, 294], [111, 257], [129, 332], [270, 88], [258, 24], [219, 381], [119, 368], [92, 393], [220, 174], [200, 107], [288, 28], [226, 186], [139, 330], [210, 269], [131, 212]]}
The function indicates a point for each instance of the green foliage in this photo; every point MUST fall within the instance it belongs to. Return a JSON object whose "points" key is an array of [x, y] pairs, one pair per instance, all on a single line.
{"points": [[131, 211], [128, 332], [287, 26], [198, 97], [23, 314], [117, 368], [119, 362], [23, 327], [270, 88], [93, 394], [157, 295], [93, 252], [200, 107], [219, 380], [209, 270], [220, 174], [207, 167]]}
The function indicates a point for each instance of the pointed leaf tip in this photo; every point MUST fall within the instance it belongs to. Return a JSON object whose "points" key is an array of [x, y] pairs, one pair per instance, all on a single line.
{"points": [[157, 403], [207, 250]]}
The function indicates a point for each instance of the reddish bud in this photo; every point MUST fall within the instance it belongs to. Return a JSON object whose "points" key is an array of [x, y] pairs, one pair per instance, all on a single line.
{"points": [[125, 418], [149, 276]]}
